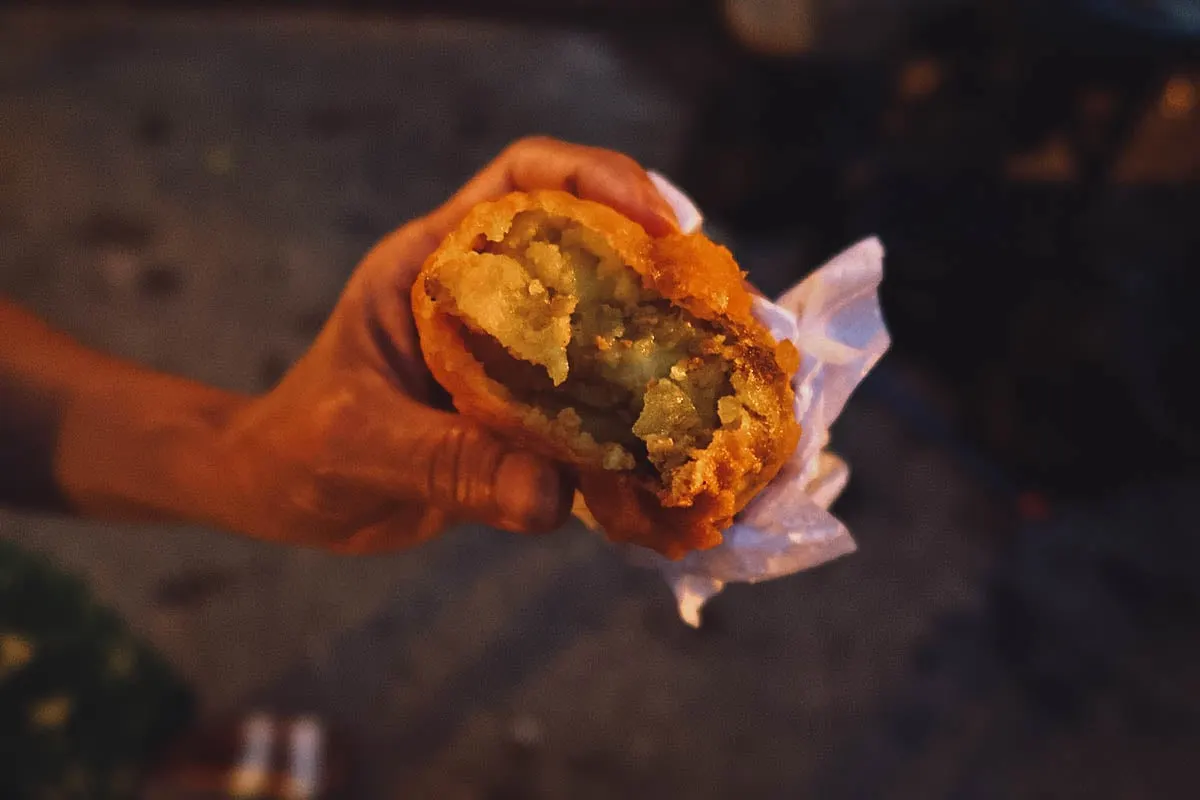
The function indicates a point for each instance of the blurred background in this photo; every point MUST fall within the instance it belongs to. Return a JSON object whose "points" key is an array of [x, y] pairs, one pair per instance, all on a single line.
{"points": [[190, 184]]}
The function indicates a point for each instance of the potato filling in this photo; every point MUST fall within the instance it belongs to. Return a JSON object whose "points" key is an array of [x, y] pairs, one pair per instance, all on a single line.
{"points": [[555, 316]]}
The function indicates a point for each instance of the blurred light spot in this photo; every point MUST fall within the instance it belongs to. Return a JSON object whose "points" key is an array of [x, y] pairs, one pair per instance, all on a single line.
{"points": [[1178, 97], [919, 79], [15, 652], [219, 160], [1033, 506], [51, 713], [121, 660], [1053, 162], [306, 743], [775, 27], [119, 268], [250, 777], [526, 731]]}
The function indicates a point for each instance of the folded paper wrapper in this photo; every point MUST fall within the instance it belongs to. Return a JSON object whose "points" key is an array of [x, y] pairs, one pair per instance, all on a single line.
{"points": [[834, 318]]}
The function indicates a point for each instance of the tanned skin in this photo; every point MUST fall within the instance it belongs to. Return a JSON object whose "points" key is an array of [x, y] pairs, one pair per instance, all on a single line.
{"points": [[352, 451]]}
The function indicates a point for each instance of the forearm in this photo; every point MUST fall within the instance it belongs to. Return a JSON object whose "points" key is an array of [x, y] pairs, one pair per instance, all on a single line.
{"points": [[98, 436]]}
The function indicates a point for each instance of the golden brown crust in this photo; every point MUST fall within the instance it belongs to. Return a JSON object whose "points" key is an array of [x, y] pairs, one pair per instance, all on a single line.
{"points": [[692, 272]]}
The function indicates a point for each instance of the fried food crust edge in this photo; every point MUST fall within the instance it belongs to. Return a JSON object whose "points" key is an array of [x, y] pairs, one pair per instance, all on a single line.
{"points": [[692, 272]]}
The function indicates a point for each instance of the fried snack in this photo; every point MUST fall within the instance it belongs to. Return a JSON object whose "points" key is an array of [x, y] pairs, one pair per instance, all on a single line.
{"points": [[565, 327]]}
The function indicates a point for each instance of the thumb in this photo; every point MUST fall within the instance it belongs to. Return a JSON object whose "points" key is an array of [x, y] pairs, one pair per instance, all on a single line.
{"points": [[458, 466]]}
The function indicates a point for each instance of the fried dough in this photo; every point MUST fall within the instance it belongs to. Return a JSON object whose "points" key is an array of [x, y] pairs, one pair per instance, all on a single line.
{"points": [[563, 326]]}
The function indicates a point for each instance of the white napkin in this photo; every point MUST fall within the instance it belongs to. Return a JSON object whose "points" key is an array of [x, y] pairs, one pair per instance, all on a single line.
{"points": [[834, 318]]}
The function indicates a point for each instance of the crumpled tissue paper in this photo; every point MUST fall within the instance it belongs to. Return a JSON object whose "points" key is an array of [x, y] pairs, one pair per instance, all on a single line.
{"points": [[834, 318]]}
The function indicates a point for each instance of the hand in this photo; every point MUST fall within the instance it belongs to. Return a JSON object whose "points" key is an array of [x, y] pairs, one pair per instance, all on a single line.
{"points": [[352, 451]]}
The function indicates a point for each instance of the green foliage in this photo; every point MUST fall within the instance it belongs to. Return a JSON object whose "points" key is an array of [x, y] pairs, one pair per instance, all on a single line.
{"points": [[83, 703]]}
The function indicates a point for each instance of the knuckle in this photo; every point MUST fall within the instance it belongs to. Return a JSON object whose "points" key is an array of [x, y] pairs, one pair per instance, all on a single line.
{"points": [[332, 419], [464, 459], [532, 142], [624, 162]]}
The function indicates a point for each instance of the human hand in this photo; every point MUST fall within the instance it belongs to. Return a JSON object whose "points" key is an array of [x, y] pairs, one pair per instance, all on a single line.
{"points": [[354, 451]]}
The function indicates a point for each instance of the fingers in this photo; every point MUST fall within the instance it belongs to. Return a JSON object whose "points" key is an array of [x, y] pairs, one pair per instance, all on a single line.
{"points": [[591, 173], [686, 213], [454, 465], [396, 259]]}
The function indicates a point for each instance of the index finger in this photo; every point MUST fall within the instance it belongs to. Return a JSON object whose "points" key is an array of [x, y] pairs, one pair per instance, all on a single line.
{"points": [[590, 173]]}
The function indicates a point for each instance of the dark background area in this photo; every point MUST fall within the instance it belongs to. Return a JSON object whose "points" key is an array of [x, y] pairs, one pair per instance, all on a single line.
{"points": [[191, 186]]}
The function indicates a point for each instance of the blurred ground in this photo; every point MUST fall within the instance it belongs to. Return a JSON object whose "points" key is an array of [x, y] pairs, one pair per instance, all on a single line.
{"points": [[192, 192]]}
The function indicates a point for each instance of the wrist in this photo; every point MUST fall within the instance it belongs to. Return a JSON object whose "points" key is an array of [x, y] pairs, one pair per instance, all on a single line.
{"points": [[142, 446]]}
